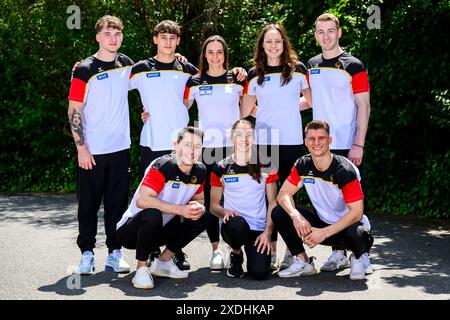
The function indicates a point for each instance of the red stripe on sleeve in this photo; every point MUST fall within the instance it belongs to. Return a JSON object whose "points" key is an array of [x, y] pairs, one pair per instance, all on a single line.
{"points": [[77, 90], [273, 176], [131, 75], [200, 189], [187, 91], [294, 178], [155, 180], [360, 82], [352, 191], [246, 87], [215, 180], [307, 79]]}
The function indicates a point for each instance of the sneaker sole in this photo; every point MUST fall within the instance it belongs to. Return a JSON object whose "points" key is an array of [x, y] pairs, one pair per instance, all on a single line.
{"points": [[111, 268], [360, 277], [217, 268], [137, 286], [335, 269], [299, 274], [233, 276], [165, 275]]}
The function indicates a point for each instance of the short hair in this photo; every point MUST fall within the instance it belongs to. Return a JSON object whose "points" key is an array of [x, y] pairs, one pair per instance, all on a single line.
{"points": [[327, 17], [195, 131], [108, 22], [167, 26], [316, 125], [203, 65]]}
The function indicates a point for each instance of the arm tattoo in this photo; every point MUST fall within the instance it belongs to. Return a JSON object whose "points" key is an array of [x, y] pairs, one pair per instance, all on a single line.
{"points": [[77, 127]]}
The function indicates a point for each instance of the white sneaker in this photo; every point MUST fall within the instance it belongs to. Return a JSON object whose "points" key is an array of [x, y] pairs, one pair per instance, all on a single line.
{"points": [[87, 263], [274, 262], [143, 279], [217, 262], [335, 261], [115, 262], [360, 267], [299, 268], [288, 260], [167, 269]]}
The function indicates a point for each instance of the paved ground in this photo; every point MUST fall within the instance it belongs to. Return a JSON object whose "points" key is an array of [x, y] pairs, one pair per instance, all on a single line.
{"points": [[411, 258]]}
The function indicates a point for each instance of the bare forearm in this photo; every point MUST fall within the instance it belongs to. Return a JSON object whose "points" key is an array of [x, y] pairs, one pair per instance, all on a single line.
{"points": [[217, 210], [362, 118], [76, 125], [351, 217], [145, 202]]}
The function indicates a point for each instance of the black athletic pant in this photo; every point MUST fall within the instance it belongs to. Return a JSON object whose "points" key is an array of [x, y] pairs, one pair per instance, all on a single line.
{"points": [[145, 232], [210, 157], [283, 157], [147, 156], [355, 237], [109, 180], [236, 232]]}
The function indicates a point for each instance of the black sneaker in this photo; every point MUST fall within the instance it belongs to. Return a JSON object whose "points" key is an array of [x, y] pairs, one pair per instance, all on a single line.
{"points": [[180, 260], [235, 270]]}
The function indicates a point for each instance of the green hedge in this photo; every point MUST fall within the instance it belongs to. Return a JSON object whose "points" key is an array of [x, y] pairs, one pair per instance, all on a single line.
{"points": [[407, 157]]}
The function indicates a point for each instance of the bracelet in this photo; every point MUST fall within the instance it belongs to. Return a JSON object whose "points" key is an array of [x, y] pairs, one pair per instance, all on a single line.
{"points": [[357, 145]]}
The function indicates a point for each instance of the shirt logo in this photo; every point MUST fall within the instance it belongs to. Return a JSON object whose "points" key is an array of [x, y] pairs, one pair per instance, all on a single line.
{"points": [[266, 78], [314, 71], [175, 185], [205, 90], [309, 180], [231, 179], [153, 74], [194, 179], [102, 76]]}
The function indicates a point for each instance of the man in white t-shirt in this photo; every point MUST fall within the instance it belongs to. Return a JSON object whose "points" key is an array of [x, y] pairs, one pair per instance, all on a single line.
{"points": [[333, 186], [99, 119]]}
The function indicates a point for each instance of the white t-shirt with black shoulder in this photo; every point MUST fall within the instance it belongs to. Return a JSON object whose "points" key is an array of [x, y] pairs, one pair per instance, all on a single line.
{"points": [[334, 83], [103, 88], [161, 87], [278, 118], [217, 101], [331, 190], [241, 192], [170, 183]]}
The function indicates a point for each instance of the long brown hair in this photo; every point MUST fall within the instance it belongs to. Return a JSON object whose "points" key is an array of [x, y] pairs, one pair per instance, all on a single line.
{"points": [[254, 166], [288, 58], [203, 65]]}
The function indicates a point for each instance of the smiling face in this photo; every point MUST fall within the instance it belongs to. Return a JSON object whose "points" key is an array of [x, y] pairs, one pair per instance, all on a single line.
{"points": [[166, 43], [273, 44], [188, 149], [242, 138], [215, 55], [327, 35], [109, 39], [318, 142]]}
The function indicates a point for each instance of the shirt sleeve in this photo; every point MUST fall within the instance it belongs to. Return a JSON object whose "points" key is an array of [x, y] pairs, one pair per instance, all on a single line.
{"points": [[273, 176], [360, 82], [352, 191], [200, 189], [294, 178], [215, 180], [154, 179]]}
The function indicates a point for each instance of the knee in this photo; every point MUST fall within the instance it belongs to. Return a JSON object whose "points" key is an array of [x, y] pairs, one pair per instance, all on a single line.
{"points": [[277, 214], [151, 218], [238, 225]]}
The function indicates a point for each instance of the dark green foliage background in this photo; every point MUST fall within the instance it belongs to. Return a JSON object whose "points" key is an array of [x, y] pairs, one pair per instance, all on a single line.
{"points": [[407, 157]]}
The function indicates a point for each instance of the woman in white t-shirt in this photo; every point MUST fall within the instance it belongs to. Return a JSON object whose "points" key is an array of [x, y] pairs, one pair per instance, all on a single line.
{"points": [[245, 184]]}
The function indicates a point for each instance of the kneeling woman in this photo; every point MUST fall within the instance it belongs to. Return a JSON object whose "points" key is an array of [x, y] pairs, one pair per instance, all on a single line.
{"points": [[245, 185]]}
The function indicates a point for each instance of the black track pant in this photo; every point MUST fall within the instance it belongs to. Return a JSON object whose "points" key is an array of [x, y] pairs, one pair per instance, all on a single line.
{"points": [[355, 237], [145, 232], [210, 157], [108, 180], [236, 232]]}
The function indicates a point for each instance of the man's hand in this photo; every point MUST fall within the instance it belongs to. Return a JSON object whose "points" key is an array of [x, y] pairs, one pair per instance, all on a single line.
{"points": [[145, 116], [355, 155], [316, 237], [240, 73], [302, 226], [181, 58], [75, 66], [85, 159], [192, 210]]}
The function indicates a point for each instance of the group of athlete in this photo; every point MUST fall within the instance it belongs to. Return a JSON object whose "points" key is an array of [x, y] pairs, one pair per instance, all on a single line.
{"points": [[224, 175]]}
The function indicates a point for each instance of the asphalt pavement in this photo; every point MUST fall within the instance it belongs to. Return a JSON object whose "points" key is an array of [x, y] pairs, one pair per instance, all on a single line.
{"points": [[410, 258]]}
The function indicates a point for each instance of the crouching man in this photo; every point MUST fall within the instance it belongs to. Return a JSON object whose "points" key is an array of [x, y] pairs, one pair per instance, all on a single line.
{"points": [[167, 209]]}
